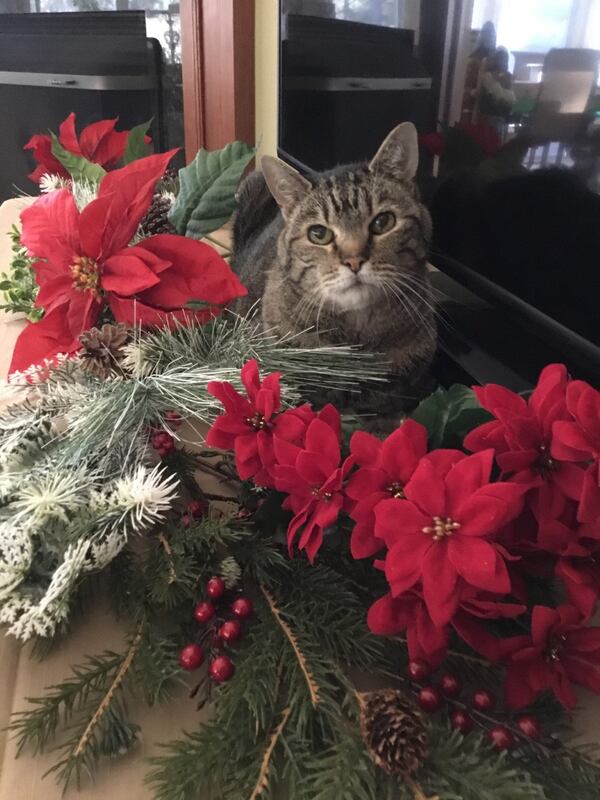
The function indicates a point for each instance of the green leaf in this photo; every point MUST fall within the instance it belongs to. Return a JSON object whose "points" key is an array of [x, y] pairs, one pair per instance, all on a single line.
{"points": [[78, 167], [206, 196], [136, 146], [449, 414]]}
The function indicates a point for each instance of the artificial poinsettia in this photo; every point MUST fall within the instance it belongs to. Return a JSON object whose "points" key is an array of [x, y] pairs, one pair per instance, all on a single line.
{"points": [[442, 533], [578, 440], [313, 478], [522, 438], [559, 652], [86, 262], [98, 142], [581, 579], [385, 467], [250, 423], [389, 616]]}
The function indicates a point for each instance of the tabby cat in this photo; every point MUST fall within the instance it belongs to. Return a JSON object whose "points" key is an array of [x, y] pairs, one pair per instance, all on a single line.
{"points": [[340, 258]]}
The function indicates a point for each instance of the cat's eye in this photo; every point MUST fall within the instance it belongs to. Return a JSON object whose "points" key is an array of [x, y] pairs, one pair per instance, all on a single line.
{"points": [[382, 223], [319, 234]]}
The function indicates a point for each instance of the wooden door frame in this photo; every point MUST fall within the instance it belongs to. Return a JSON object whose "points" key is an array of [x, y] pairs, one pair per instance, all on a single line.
{"points": [[217, 54]]}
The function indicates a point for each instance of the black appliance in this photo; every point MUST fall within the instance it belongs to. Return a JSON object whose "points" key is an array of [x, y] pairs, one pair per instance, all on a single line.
{"points": [[514, 257], [344, 86], [99, 65]]}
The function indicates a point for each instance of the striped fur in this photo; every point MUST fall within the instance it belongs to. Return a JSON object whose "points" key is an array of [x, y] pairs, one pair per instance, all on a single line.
{"points": [[387, 305]]}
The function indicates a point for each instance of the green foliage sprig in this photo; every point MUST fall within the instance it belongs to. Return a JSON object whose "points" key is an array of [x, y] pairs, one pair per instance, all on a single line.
{"points": [[18, 284]]}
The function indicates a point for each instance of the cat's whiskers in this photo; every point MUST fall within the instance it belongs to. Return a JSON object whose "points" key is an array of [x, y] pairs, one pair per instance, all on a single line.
{"points": [[431, 295], [407, 305], [412, 284], [306, 306], [422, 318]]}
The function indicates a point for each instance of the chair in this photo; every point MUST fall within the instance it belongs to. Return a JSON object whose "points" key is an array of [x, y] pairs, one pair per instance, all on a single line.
{"points": [[560, 113]]}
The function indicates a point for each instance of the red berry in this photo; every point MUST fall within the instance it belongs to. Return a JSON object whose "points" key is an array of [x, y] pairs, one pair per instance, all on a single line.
{"points": [[204, 612], [196, 508], [221, 669], [483, 700], [215, 588], [230, 631], [417, 671], [163, 439], [451, 685], [191, 657], [462, 721], [530, 726], [173, 418], [501, 737], [242, 607], [430, 698], [185, 520]]}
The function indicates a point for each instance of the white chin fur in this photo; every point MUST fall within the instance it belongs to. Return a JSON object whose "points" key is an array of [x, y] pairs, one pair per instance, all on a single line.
{"points": [[350, 296]]}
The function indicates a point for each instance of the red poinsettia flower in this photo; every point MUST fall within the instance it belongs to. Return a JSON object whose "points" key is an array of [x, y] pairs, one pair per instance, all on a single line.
{"points": [[581, 579], [521, 436], [483, 134], [390, 616], [313, 479], [250, 423], [442, 533], [559, 652], [434, 143], [98, 142], [86, 261], [385, 467], [579, 441]]}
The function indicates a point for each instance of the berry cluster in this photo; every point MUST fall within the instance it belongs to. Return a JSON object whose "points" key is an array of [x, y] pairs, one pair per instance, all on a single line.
{"points": [[431, 697], [195, 509], [221, 630], [162, 441]]}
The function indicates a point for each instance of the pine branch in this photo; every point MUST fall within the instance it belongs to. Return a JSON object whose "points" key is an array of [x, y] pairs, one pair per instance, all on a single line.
{"points": [[263, 776], [169, 554], [468, 768], [34, 728], [313, 687], [108, 697]]}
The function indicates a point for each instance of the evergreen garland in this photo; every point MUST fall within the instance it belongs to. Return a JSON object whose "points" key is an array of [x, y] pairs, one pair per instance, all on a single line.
{"points": [[287, 724]]}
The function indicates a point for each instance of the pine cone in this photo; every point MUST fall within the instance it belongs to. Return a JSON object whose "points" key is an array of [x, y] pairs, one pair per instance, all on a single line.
{"points": [[156, 219], [394, 730], [103, 348]]}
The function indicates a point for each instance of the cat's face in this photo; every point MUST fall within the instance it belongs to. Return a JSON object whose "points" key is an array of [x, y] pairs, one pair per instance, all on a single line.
{"points": [[358, 234]]}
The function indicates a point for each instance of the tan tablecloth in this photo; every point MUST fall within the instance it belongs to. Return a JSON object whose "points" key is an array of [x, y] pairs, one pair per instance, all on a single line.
{"points": [[20, 677]]}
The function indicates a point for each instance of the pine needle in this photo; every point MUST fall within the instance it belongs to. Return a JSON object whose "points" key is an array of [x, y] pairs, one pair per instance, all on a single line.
{"points": [[263, 776], [107, 699], [310, 681], [169, 551], [418, 792]]}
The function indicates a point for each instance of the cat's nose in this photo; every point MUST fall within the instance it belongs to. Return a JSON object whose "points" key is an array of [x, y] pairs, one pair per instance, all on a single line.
{"points": [[354, 263]]}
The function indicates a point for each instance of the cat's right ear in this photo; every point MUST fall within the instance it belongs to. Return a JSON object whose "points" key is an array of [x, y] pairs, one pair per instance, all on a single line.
{"points": [[285, 183]]}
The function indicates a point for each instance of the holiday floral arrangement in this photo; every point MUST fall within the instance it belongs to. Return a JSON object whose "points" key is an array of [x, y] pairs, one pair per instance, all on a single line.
{"points": [[369, 616]]}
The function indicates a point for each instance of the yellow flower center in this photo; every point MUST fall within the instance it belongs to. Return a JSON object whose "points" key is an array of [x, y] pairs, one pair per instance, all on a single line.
{"points": [[396, 490], [555, 648], [441, 528], [257, 422], [326, 496], [86, 275]]}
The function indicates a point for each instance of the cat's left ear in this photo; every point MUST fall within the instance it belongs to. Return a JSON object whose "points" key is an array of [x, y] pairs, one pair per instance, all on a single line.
{"points": [[399, 153], [285, 183]]}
